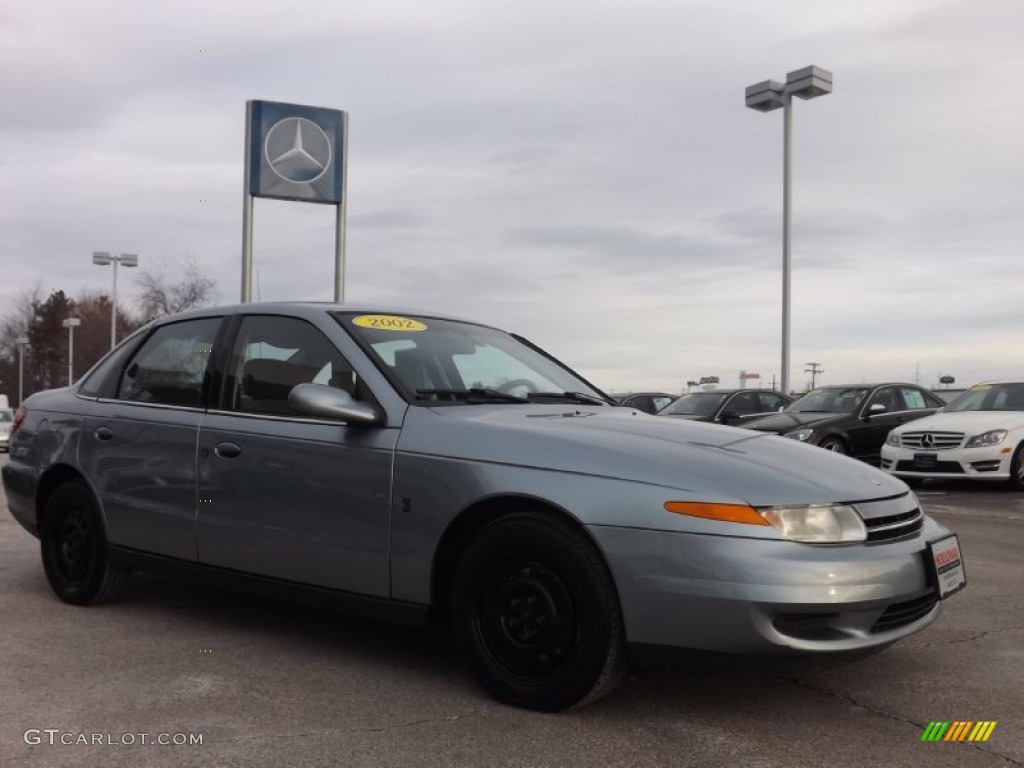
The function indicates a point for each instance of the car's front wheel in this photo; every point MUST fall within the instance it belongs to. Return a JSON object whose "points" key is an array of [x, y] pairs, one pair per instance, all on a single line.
{"points": [[74, 548], [1016, 480], [536, 613], [833, 444]]}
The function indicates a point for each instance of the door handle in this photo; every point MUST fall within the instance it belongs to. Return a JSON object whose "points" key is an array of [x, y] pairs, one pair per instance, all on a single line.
{"points": [[227, 450], [103, 434]]}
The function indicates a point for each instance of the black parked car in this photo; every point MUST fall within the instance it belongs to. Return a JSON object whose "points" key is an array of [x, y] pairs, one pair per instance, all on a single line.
{"points": [[727, 406], [853, 419], [648, 402]]}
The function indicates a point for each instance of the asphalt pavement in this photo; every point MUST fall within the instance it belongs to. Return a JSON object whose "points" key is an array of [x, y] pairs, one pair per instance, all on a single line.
{"points": [[261, 683]]}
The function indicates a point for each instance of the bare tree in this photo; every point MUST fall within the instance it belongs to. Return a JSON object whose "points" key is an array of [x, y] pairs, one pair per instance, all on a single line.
{"points": [[165, 291]]}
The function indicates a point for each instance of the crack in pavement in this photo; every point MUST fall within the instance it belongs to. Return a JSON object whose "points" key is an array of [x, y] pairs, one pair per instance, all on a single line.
{"points": [[893, 716], [967, 639], [379, 729]]}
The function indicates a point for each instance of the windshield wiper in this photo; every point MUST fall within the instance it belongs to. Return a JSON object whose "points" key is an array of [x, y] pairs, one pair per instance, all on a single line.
{"points": [[576, 397], [476, 395]]}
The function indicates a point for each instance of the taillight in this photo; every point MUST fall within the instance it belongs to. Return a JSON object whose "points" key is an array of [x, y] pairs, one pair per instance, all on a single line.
{"points": [[19, 417]]}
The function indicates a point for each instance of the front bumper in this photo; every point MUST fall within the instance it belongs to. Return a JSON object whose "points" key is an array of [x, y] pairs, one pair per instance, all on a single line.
{"points": [[985, 463], [757, 596]]}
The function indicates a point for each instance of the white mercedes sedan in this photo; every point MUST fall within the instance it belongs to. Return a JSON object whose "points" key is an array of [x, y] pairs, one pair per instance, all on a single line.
{"points": [[979, 436]]}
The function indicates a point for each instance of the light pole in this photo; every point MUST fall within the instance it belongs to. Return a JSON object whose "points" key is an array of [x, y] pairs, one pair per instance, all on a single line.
{"points": [[807, 83], [21, 342], [125, 259], [71, 323]]}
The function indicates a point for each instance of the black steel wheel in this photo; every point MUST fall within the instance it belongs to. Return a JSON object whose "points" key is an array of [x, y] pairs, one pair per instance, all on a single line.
{"points": [[74, 548], [535, 612]]}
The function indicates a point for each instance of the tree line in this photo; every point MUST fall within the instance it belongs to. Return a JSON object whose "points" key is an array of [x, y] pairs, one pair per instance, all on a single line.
{"points": [[40, 318]]}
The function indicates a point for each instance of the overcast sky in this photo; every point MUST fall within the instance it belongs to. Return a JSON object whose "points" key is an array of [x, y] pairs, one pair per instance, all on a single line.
{"points": [[582, 172]]}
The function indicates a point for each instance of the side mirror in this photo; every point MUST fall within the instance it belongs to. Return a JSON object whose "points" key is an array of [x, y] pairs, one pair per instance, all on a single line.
{"points": [[728, 415], [876, 408], [331, 403]]}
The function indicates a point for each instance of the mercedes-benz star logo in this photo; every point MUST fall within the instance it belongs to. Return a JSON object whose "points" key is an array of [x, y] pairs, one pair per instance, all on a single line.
{"points": [[297, 150], [927, 440]]}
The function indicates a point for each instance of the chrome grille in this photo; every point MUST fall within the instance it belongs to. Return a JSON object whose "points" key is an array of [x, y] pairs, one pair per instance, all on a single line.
{"points": [[894, 526], [932, 441]]}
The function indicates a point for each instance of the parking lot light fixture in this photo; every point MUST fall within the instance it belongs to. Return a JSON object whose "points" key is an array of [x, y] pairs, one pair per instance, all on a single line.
{"points": [[766, 96], [21, 342], [71, 323], [102, 258]]}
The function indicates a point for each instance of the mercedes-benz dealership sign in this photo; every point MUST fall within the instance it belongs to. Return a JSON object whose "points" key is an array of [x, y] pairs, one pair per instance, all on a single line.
{"points": [[296, 152]]}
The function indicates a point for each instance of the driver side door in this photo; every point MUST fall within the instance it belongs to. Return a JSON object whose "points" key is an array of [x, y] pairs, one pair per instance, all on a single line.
{"points": [[285, 495]]}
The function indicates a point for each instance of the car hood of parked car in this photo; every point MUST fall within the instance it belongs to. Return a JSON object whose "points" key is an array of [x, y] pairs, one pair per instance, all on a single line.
{"points": [[781, 423], [969, 422], [715, 462]]}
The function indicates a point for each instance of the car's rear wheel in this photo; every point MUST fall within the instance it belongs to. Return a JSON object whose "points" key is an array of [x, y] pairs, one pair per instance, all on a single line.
{"points": [[1016, 480], [74, 548], [535, 612], [833, 444]]}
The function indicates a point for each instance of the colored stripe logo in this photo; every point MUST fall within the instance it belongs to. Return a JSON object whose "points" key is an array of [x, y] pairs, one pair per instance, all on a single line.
{"points": [[958, 730]]}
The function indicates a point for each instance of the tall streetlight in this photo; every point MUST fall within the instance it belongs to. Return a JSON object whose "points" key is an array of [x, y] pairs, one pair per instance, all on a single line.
{"points": [[21, 342], [807, 83], [71, 323], [125, 259]]}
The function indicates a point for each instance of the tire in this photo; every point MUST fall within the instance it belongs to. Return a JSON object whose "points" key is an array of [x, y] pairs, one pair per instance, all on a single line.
{"points": [[834, 444], [1016, 481], [535, 612], [74, 548]]}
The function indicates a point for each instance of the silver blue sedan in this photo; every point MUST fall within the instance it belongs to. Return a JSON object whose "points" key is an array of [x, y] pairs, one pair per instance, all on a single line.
{"points": [[412, 467]]}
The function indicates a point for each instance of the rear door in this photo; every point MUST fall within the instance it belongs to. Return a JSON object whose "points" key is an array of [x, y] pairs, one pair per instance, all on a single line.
{"points": [[139, 445]]}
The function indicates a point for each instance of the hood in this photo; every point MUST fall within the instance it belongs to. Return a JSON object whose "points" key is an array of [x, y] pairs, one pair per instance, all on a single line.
{"points": [[687, 416], [969, 422], [716, 461], [787, 421]]}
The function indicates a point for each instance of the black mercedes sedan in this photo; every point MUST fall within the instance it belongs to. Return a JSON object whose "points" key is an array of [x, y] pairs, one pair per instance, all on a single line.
{"points": [[726, 406], [852, 419]]}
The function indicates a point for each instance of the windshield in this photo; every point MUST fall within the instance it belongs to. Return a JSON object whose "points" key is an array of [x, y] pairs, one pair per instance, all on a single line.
{"points": [[990, 397], [6, 415], [831, 400], [694, 404], [439, 360]]}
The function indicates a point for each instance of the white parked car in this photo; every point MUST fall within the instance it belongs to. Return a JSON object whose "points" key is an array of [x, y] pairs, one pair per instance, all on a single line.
{"points": [[979, 436]]}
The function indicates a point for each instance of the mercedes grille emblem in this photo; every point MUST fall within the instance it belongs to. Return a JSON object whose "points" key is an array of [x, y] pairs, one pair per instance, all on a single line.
{"points": [[297, 150], [927, 440]]}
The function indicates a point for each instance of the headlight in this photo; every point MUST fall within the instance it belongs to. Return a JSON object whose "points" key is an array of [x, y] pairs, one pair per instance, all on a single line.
{"points": [[817, 523], [893, 438], [801, 434], [992, 437]]}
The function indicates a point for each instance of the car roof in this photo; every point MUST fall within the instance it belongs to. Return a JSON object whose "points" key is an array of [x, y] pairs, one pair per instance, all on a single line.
{"points": [[731, 391], [869, 385], [308, 308]]}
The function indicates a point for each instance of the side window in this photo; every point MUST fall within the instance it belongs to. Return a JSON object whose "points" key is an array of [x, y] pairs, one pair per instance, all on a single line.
{"points": [[661, 402], [889, 397], [743, 403], [273, 354], [769, 401], [102, 378], [915, 398], [170, 366]]}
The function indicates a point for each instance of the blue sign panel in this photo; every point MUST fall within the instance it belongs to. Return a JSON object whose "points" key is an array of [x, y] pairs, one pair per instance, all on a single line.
{"points": [[296, 152]]}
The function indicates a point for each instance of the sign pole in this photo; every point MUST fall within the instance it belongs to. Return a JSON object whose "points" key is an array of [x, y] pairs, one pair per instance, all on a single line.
{"points": [[339, 234], [247, 212]]}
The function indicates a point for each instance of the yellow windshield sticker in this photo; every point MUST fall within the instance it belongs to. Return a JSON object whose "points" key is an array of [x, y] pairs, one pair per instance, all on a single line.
{"points": [[981, 387], [389, 323]]}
